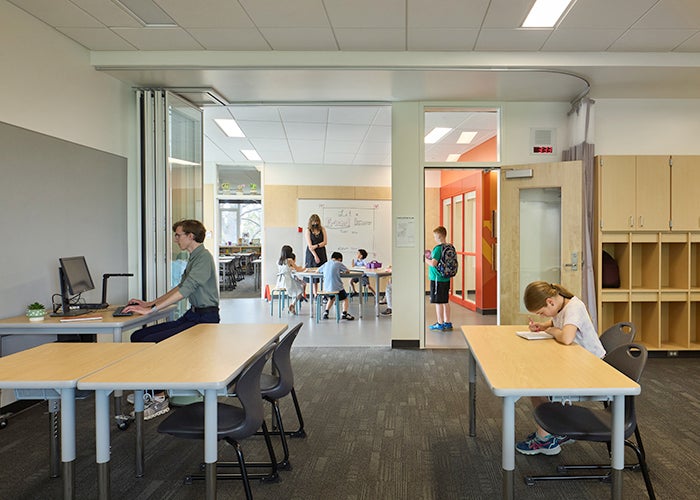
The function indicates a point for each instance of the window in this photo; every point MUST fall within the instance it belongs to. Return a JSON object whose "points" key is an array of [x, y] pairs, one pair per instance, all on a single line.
{"points": [[241, 222]]}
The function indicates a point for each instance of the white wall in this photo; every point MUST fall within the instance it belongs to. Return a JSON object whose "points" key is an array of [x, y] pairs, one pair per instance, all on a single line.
{"points": [[49, 86], [647, 126]]}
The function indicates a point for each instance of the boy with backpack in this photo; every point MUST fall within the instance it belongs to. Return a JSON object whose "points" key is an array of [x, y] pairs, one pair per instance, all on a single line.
{"points": [[442, 263]]}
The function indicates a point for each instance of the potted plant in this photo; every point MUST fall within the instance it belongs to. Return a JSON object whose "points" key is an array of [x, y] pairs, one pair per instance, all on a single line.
{"points": [[36, 311], [253, 188]]}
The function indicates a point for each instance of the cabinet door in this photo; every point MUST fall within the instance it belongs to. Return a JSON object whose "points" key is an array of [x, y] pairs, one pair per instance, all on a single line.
{"points": [[685, 202], [653, 189], [616, 181]]}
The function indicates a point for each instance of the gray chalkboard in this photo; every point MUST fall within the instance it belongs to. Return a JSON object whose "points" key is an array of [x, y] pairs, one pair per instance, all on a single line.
{"points": [[58, 199]]}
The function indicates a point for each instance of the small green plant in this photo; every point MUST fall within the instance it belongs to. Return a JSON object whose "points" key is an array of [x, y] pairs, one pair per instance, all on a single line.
{"points": [[36, 306], [253, 186]]}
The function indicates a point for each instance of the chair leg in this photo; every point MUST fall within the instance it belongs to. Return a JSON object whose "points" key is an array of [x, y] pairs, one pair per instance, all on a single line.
{"points": [[641, 455], [337, 308], [300, 431], [273, 464]]}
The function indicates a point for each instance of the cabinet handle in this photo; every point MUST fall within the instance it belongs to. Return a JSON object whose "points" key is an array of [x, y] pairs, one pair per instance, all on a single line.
{"points": [[641, 221], [631, 221]]}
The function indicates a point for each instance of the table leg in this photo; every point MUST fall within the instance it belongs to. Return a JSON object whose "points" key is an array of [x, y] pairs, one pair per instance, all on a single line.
{"points": [[54, 438], [472, 395], [102, 443], [210, 441], [376, 294], [508, 446], [68, 441], [138, 420], [618, 445]]}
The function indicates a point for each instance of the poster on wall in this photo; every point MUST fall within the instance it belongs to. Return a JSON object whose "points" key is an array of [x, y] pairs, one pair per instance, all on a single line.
{"points": [[405, 231]]}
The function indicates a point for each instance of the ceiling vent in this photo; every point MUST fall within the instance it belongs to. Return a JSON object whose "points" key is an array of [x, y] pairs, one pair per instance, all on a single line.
{"points": [[199, 96]]}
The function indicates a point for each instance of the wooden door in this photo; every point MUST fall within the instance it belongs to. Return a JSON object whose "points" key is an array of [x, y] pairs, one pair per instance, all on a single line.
{"points": [[566, 177], [653, 193], [616, 181], [685, 202]]}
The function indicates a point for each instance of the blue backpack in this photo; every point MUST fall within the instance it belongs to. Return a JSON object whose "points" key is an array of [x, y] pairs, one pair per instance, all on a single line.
{"points": [[448, 265]]}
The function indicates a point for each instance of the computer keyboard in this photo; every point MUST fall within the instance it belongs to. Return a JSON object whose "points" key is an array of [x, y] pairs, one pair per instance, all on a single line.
{"points": [[119, 311]]}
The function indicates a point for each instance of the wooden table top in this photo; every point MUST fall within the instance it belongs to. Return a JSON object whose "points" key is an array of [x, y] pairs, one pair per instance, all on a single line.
{"points": [[206, 356], [61, 364], [105, 320], [516, 366]]}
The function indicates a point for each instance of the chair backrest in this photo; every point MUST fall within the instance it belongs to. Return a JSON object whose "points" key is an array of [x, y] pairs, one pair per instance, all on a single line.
{"points": [[629, 359], [619, 334], [248, 393], [282, 362]]}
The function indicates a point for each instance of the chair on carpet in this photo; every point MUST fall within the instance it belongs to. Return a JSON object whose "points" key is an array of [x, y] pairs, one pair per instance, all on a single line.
{"points": [[619, 334], [583, 423], [234, 422], [319, 303]]}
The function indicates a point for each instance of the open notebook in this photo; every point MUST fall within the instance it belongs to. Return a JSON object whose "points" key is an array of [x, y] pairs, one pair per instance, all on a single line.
{"points": [[533, 335]]}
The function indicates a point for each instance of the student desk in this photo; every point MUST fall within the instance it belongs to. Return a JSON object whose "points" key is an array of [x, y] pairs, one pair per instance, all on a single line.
{"points": [[204, 358], [514, 367], [20, 325], [377, 274], [51, 371]]}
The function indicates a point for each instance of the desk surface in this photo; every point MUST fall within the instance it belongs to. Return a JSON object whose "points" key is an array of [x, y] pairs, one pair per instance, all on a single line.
{"points": [[201, 357], [106, 321], [514, 366], [61, 364]]}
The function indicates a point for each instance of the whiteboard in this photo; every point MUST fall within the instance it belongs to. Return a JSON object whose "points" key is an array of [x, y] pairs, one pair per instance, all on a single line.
{"points": [[350, 225]]}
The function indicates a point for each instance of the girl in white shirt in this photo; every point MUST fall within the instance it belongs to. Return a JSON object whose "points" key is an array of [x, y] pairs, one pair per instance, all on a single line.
{"points": [[285, 279]]}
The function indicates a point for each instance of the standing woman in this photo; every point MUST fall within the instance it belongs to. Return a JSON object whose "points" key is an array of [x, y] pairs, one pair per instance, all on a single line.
{"points": [[316, 242]]}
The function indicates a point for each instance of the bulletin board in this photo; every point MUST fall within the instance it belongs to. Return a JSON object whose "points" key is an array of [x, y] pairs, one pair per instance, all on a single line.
{"points": [[350, 225]]}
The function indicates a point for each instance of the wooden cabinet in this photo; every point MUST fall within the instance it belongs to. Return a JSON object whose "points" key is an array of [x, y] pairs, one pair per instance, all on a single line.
{"points": [[659, 268], [685, 202], [634, 193]]}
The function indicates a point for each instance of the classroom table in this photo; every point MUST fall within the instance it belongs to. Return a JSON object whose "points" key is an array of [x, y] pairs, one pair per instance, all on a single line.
{"points": [[313, 276], [51, 372], [377, 274], [106, 324], [514, 367], [204, 358]]}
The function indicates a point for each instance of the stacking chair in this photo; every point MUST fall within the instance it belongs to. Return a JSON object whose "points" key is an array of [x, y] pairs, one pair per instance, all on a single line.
{"points": [[583, 423], [234, 422], [319, 304], [619, 334]]}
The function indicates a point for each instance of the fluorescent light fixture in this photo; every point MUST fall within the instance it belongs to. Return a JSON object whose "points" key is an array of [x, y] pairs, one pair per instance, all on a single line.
{"points": [[545, 13], [178, 161], [147, 12], [229, 127], [436, 134], [251, 154], [466, 137], [453, 157]]}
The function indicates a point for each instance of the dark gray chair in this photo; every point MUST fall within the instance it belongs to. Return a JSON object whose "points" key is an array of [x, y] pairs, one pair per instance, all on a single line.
{"points": [[595, 424], [617, 335], [235, 422]]}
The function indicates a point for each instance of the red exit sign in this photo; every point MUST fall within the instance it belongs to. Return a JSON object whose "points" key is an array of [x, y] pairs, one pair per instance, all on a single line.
{"points": [[542, 150]]}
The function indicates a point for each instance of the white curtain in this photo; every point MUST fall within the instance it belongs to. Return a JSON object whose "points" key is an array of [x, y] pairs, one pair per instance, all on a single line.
{"points": [[586, 153]]}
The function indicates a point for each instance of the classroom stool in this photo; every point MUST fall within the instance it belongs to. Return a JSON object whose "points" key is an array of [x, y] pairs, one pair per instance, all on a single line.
{"points": [[319, 304], [281, 294]]}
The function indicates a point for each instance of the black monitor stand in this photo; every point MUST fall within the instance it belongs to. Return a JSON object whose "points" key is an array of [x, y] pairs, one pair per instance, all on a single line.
{"points": [[65, 310]]}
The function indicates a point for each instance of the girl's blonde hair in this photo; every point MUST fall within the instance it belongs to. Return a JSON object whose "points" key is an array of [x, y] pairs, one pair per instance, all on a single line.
{"points": [[537, 293]]}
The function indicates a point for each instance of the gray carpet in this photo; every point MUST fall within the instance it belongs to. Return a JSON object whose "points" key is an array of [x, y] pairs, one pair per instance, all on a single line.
{"points": [[381, 424]]}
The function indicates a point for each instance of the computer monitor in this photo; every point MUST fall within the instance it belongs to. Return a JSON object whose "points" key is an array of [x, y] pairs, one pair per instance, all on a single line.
{"points": [[75, 278]]}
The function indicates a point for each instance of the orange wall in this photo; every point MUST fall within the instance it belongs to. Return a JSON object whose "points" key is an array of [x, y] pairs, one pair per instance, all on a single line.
{"points": [[486, 151]]}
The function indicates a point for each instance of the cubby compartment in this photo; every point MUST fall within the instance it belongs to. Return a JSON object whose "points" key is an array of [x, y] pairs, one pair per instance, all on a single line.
{"points": [[645, 265], [695, 265], [611, 313], [620, 251], [645, 316], [674, 265], [674, 322], [694, 317]]}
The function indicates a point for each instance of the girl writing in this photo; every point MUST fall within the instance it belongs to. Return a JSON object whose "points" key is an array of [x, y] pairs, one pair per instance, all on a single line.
{"points": [[285, 279]]}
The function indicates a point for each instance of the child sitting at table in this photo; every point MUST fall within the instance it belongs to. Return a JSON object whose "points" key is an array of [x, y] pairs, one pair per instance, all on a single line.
{"points": [[331, 271], [285, 278], [360, 261], [570, 323]]}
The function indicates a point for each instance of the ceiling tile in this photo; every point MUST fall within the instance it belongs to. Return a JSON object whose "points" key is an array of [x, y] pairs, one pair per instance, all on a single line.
{"points": [[358, 115], [366, 13], [229, 39], [311, 131], [692, 44], [257, 129], [306, 151], [672, 14], [595, 40], [209, 14], [511, 40], [651, 40], [338, 158], [97, 38], [600, 14], [58, 13], [108, 13], [158, 38], [372, 160], [441, 39], [507, 13], [379, 133], [371, 39], [341, 132], [446, 13], [310, 114], [300, 38], [347, 147], [270, 144], [255, 113], [277, 157], [286, 14]]}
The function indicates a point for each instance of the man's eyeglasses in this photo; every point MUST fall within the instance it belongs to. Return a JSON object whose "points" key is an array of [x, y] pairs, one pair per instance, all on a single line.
{"points": [[179, 235]]}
